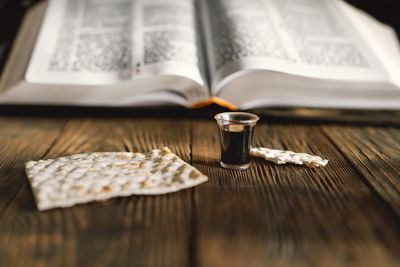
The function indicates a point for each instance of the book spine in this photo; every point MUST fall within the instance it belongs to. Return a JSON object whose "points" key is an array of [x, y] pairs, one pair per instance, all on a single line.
{"points": [[214, 100]]}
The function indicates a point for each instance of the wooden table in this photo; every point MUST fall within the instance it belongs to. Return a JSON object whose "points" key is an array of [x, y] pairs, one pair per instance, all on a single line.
{"points": [[344, 214]]}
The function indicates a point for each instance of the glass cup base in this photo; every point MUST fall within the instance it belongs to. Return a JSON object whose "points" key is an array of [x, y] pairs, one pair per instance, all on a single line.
{"points": [[235, 167]]}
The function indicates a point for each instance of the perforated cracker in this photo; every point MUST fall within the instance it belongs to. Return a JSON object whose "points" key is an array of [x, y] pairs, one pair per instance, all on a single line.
{"points": [[286, 156], [81, 178]]}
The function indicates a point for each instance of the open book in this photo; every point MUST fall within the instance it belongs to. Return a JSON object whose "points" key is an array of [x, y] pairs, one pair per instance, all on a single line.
{"points": [[240, 54]]}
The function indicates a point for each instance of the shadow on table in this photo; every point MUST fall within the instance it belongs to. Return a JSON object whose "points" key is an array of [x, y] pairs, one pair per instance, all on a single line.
{"points": [[271, 115]]}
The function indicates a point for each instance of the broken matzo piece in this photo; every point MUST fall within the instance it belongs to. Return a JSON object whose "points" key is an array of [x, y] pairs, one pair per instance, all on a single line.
{"points": [[81, 178], [286, 156]]}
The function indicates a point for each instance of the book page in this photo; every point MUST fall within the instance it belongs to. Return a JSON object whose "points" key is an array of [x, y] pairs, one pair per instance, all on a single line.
{"points": [[83, 42], [95, 42], [381, 38], [311, 38], [168, 33]]}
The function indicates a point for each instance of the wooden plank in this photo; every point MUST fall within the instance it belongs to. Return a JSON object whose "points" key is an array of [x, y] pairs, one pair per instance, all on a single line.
{"points": [[344, 116], [288, 215], [132, 231], [277, 215], [21, 140], [375, 153]]}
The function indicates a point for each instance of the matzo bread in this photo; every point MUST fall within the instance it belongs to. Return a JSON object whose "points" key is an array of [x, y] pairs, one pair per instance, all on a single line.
{"points": [[81, 178], [286, 156]]}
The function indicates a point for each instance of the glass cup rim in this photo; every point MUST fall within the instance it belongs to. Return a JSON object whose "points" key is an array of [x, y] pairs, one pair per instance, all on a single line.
{"points": [[224, 117]]}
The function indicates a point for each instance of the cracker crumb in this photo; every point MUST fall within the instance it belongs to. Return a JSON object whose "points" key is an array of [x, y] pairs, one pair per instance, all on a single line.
{"points": [[286, 156]]}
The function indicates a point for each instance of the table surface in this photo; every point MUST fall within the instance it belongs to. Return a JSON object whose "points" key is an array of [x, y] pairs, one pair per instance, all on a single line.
{"points": [[344, 214]]}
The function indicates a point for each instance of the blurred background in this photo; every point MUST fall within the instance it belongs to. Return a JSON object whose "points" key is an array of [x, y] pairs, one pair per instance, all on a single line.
{"points": [[11, 12], [386, 11]]}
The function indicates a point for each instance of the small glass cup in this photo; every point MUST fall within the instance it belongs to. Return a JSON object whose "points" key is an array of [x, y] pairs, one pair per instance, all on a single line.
{"points": [[236, 132]]}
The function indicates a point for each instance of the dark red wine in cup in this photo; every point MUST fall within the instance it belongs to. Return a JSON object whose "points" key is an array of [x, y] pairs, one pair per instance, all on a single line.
{"points": [[235, 144]]}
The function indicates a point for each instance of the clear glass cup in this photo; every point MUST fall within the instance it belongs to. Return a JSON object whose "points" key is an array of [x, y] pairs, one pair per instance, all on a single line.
{"points": [[236, 132]]}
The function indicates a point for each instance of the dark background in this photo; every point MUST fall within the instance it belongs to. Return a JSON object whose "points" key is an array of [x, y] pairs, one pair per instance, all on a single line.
{"points": [[386, 11]]}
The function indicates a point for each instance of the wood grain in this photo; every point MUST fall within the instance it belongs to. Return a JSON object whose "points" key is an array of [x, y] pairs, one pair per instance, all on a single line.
{"points": [[22, 140], [135, 231], [266, 215], [375, 153], [289, 215], [343, 116]]}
